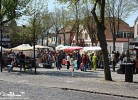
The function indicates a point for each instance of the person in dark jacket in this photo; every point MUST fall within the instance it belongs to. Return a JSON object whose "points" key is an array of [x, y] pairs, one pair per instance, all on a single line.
{"points": [[78, 58], [22, 60], [59, 60]]}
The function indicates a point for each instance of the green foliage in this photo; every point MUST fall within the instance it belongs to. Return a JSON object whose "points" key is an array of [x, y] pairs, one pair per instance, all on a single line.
{"points": [[11, 9], [39, 19], [45, 24], [120, 8]]}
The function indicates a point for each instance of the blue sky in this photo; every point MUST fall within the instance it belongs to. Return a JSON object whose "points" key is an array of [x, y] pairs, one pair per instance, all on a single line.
{"points": [[130, 20]]}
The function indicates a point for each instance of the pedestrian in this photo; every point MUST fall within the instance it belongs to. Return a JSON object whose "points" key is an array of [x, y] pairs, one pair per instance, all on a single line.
{"points": [[59, 60], [68, 61], [73, 64], [84, 62], [78, 58], [94, 61], [90, 62], [117, 56], [113, 59], [22, 60]]}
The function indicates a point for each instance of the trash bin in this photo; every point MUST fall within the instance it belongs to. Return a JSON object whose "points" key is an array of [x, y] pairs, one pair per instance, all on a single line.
{"points": [[129, 72]]}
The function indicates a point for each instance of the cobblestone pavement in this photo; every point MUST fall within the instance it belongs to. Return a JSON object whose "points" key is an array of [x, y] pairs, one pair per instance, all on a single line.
{"points": [[90, 81], [21, 91]]}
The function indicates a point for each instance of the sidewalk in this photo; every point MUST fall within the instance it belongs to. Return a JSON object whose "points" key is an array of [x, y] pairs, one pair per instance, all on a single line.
{"points": [[90, 81]]}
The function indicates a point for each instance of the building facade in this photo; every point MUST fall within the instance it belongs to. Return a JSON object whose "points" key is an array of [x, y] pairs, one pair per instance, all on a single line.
{"points": [[48, 41], [5, 38], [136, 28], [124, 35]]}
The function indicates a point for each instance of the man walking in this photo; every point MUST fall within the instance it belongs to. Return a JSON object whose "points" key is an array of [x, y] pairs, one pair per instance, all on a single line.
{"points": [[68, 61]]}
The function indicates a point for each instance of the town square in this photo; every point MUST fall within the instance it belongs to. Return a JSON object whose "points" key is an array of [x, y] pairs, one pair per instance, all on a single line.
{"points": [[68, 49]]}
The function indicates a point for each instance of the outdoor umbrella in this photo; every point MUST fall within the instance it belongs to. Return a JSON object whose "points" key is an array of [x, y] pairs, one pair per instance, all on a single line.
{"points": [[60, 46], [72, 48], [93, 48], [43, 47], [23, 47], [63, 48]]}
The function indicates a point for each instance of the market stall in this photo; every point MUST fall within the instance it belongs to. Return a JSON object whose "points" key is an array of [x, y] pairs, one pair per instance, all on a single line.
{"points": [[90, 49]]}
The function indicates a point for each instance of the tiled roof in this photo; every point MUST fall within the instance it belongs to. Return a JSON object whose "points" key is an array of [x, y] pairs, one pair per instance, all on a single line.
{"points": [[123, 27]]}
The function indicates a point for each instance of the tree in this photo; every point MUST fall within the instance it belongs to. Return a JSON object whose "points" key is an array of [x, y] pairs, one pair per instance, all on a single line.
{"points": [[101, 35], [73, 15], [89, 23], [115, 11], [34, 11], [56, 18], [100, 4], [19, 35], [46, 25], [136, 1], [11, 9], [65, 22]]}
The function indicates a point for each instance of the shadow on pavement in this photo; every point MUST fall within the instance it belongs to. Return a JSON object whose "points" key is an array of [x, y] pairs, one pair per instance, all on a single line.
{"points": [[61, 73]]}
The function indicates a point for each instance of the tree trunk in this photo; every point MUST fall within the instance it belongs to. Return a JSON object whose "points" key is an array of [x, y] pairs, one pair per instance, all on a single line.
{"points": [[114, 34], [42, 40], [103, 44], [56, 36], [64, 38], [47, 39], [101, 36], [114, 48]]}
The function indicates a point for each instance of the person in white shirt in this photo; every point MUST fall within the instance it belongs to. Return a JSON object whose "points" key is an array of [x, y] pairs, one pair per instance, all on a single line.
{"points": [[68, 61], [113, 59]]}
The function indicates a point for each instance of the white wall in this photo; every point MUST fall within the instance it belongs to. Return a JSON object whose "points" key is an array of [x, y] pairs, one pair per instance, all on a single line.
{"points": [[136, 28], [120, 46]]}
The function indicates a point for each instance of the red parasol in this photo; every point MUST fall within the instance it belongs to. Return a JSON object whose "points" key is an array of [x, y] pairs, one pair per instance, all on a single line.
{"points": [[70, 49]]}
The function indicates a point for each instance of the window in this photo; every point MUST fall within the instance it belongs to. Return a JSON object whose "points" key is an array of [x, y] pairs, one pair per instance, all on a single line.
{"points": [[53, 38], [125, 35], [117, 34], [120, 34]]}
